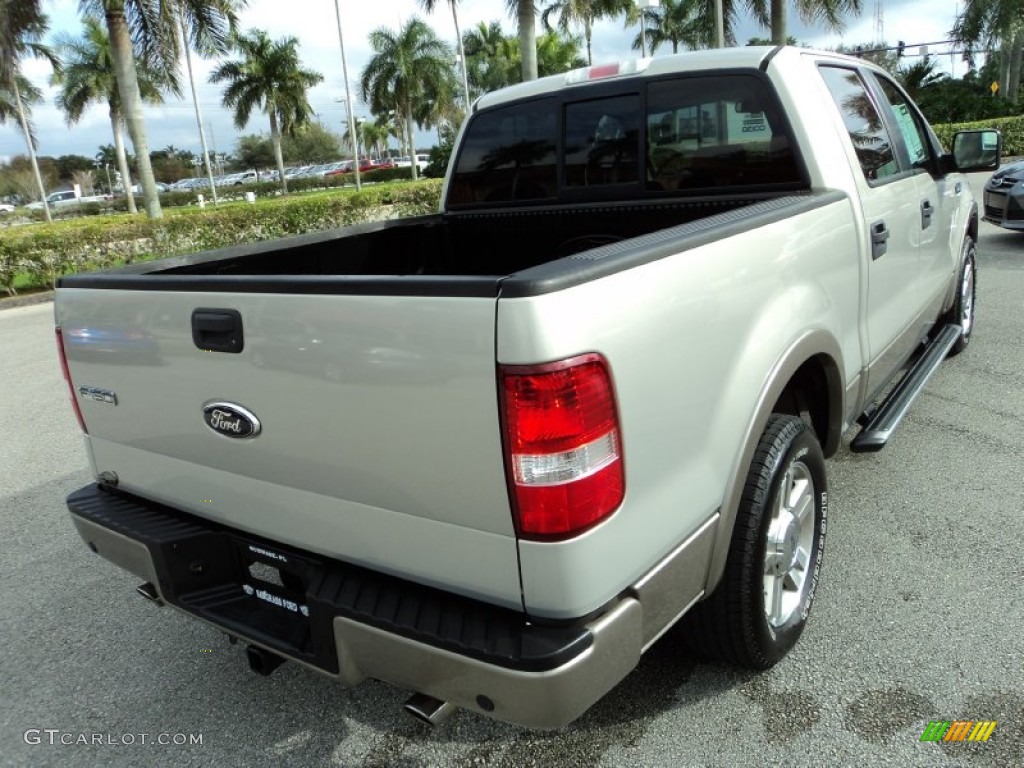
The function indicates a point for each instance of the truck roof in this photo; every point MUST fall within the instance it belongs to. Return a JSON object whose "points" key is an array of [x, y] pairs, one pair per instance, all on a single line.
{"points": [[747, 57]]}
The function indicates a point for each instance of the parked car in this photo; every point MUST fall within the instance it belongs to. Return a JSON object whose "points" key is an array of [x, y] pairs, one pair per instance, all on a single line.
{"points": [[66, 198], [6, 208], [1004, 197], [160, 187], [422, 161]]}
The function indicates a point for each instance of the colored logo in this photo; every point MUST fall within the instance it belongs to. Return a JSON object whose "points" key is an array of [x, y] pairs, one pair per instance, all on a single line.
{"points": [[958, 730]]}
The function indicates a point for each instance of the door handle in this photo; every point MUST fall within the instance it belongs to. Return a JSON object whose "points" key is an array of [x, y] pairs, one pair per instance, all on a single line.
{"points": [[926, 214], [218, 330], [879, 240]]}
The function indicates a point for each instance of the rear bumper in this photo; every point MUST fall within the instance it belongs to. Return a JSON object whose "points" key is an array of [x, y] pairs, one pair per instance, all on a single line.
{"points": [[351, 623]]}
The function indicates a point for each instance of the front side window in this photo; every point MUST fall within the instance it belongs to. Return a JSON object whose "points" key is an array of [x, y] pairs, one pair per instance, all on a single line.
{"points": [[508, 154], [871, 140], [909, 123]]}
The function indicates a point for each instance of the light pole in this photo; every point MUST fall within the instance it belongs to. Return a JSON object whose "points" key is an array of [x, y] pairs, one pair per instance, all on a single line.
{"points": [[643, 5], [348, 97]]}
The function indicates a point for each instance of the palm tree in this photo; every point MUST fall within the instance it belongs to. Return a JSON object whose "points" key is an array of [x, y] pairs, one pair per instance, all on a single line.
{"points": [[583, 13], [492, 57], [558, 53], [408, 68], [87, 77], [270, 77], [919, 76], [494, 60], [428, 6], [151, 27], [995, 24], [19, 16], [17, 44], [686, 24], [829, 13], [525, 12]]}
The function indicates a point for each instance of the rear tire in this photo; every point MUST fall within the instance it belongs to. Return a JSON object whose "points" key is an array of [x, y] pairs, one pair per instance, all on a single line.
{"points": [[962, 312], [760, 607]]}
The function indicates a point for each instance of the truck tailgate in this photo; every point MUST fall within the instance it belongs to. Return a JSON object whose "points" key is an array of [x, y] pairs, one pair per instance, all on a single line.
{"points": [[379, 438]]}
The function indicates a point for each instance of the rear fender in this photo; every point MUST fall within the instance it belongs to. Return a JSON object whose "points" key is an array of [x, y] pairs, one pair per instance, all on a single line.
{"points": [[814, 343]]}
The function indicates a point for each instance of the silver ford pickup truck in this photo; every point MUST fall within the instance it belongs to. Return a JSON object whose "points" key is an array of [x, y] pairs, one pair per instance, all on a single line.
{"points": [[492, 455]]}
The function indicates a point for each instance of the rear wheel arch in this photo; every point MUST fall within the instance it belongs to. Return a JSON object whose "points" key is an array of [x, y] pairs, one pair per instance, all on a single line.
{"points": [[815, 359], [814, 393]]}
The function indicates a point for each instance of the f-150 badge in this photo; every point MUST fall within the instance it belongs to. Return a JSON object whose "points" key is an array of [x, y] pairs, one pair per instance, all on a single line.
{"points": [[231, 420]]}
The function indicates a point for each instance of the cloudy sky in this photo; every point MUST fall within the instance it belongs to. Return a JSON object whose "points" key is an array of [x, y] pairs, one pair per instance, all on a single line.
{"points": [[313, 23]]}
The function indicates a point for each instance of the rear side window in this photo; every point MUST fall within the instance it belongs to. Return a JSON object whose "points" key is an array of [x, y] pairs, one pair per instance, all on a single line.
{"points": [[508, 155], [871, 140], [722, 131]]}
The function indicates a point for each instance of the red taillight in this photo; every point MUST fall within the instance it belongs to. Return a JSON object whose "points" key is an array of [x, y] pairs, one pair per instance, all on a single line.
{"points": [[67, 377], [562, 446]]}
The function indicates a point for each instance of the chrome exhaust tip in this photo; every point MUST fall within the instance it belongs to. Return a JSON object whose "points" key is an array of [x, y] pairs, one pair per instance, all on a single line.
{"points": [[149, 592], [428, 710], [262, 662]]}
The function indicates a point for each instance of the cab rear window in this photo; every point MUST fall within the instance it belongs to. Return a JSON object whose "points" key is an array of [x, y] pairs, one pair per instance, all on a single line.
{"points": [[676, 136]]}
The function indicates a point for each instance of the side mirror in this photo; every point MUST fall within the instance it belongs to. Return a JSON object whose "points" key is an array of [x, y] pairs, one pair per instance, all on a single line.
{"points": [[976, 150]]}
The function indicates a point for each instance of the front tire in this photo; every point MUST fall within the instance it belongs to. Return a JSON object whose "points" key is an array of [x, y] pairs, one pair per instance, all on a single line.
{"points": [[962, 312], [760, 608]]}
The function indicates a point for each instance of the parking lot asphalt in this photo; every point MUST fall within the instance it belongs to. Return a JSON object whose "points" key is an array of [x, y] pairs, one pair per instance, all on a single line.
{"points": [[920, 614]]}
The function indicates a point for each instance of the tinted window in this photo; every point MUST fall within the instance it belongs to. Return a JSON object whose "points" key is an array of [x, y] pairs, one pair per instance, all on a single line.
{"points": [[601, 141], [716, 132], [508, 154], [909, 123], [871, 140]]}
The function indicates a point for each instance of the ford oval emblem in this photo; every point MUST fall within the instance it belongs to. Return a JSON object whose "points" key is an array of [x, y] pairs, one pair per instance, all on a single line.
{"points": [[231, 420]]}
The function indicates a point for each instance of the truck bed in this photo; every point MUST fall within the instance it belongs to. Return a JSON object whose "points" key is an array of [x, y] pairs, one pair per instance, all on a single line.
{"points": [[487, 243]]}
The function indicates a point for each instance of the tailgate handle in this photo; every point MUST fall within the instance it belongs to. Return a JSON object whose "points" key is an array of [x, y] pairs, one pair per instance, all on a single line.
{"points": [[217, 330]]}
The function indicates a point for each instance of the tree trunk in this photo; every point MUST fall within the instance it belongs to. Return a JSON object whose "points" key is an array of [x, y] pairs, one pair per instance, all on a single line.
{"points": [[31, 147], [412, 142], [131, 101], [1005, 54], [528, 38], [122, 158], [779, 22], [586, 34], [462, 56], [199, 114], [275, 139], [1013, 82]]}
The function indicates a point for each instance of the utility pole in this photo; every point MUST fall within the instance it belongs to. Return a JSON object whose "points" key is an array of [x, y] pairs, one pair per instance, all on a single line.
{"points": [[348, 99]]}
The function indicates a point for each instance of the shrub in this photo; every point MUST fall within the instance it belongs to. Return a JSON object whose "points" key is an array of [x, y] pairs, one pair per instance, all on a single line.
{"points": [[1012, 129], [45, 252]]}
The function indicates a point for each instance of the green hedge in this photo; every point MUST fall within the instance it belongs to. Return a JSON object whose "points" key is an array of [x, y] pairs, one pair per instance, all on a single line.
{"points": [[45, 252], [1012, 129]]}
